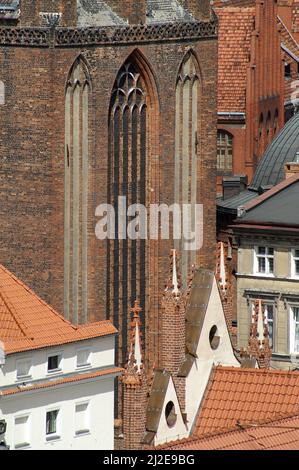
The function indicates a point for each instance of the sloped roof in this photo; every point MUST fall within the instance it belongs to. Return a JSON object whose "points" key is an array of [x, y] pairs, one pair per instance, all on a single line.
{"points": [[27, 322], [282, 434], [279, 205], [246, 396], [236, 25], [97, 13], [287, 39], [29, 387], [162, 11]]}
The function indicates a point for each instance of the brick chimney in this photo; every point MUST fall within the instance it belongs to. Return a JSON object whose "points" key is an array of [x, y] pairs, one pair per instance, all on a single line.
{"points": [[290, 169], [130, 10], [135, 387], [233, 185]]}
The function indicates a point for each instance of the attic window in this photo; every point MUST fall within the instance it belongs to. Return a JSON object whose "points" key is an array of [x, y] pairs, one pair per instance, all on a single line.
{"points": [[213, 338], [170, 414]]}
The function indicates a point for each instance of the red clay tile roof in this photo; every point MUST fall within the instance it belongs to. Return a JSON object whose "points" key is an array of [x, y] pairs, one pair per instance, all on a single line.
{"points": [[281, 434], [53, 383], [246, 396], [27, 322], [236, 25]]}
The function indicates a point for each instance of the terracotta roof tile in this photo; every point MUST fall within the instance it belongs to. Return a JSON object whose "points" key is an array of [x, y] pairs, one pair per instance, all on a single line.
{"points": [[246, 395], [27, 322], [279, 434], [53, 383], [236, 25]]}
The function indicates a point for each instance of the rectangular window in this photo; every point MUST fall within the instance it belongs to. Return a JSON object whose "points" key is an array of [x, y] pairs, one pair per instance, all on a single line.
{"points": [[54, 362], [21, 432], [295, 263], [81, 418], [51, 422], [269, 316], [294, 330], [23, 368], [264, 260], [83, 357]]}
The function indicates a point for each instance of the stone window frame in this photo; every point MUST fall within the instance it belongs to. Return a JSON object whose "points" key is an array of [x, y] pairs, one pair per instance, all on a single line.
{"points": [[26, 443], [228, 147], [266, 256], [292, 260], [290, 301]]}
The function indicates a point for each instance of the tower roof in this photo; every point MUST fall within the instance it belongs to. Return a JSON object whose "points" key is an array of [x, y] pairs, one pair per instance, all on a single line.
{"points": [[283, 149]]}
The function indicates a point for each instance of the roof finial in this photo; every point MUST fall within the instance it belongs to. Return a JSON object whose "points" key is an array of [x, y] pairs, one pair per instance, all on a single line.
{"points": [[135, 355], [173, 284]]}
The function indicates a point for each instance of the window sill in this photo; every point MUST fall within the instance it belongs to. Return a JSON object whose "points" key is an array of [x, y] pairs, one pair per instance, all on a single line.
{"points": [[83, 432], [53, 437], [84, 366], [264, 275], [22, 445], [54, 371], [21, 378]]}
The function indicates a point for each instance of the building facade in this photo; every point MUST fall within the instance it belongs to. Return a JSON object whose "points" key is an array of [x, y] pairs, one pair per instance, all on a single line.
{"points": [[56, 379], [121, 102], [268, 269], [257, 81]]}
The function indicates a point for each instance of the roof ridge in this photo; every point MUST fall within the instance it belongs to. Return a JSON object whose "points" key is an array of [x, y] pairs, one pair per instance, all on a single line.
{"points": [[30, 291], [253, 371]]}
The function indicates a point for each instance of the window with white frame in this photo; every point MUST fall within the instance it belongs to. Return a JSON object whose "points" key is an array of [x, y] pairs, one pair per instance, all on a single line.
{"points": [[23, 367], [52, 428], [295, 262], [21, 432], [82, 418], [264, 260], [83, 357], [294, 329], [269, 317], [54, 362]]}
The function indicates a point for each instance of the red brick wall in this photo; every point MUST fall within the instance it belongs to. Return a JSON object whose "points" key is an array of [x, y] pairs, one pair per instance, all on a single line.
{"points": [[32, 168]]}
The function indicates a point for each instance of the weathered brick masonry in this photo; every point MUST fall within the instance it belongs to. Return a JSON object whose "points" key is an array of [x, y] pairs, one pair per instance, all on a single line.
{"points": [[34, 66]]}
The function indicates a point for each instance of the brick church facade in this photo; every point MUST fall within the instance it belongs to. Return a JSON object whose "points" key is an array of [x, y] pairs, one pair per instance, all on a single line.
{"points": [[101, 100]]}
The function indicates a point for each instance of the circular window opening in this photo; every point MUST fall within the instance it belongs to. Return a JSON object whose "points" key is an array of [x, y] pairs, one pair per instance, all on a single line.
{"points": [[214, 338], [170, 414]]}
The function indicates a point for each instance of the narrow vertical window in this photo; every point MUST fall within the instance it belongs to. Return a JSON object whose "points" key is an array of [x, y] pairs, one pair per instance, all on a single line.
{"points": [[294, 329], [76, 194], [269, 317], [187, 147], [224, 151], [127, 177]]}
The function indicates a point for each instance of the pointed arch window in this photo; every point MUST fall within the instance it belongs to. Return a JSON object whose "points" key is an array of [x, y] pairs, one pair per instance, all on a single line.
{"points": [[76, 193], [127, 176], [187, 145]]}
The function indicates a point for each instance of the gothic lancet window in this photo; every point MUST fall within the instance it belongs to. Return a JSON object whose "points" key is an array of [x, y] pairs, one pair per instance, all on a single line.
{"points": [[127, 177], [76, 194], [187, 146]]}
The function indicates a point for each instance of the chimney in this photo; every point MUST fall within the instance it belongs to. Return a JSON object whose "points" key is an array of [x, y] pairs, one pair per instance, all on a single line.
{"points": [[233, 185], [291, 168], [132, 11], [135, 388]]}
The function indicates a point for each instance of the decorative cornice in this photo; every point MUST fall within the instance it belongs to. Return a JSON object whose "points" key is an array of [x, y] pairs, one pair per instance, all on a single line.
{"points": [[91, 36]]}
